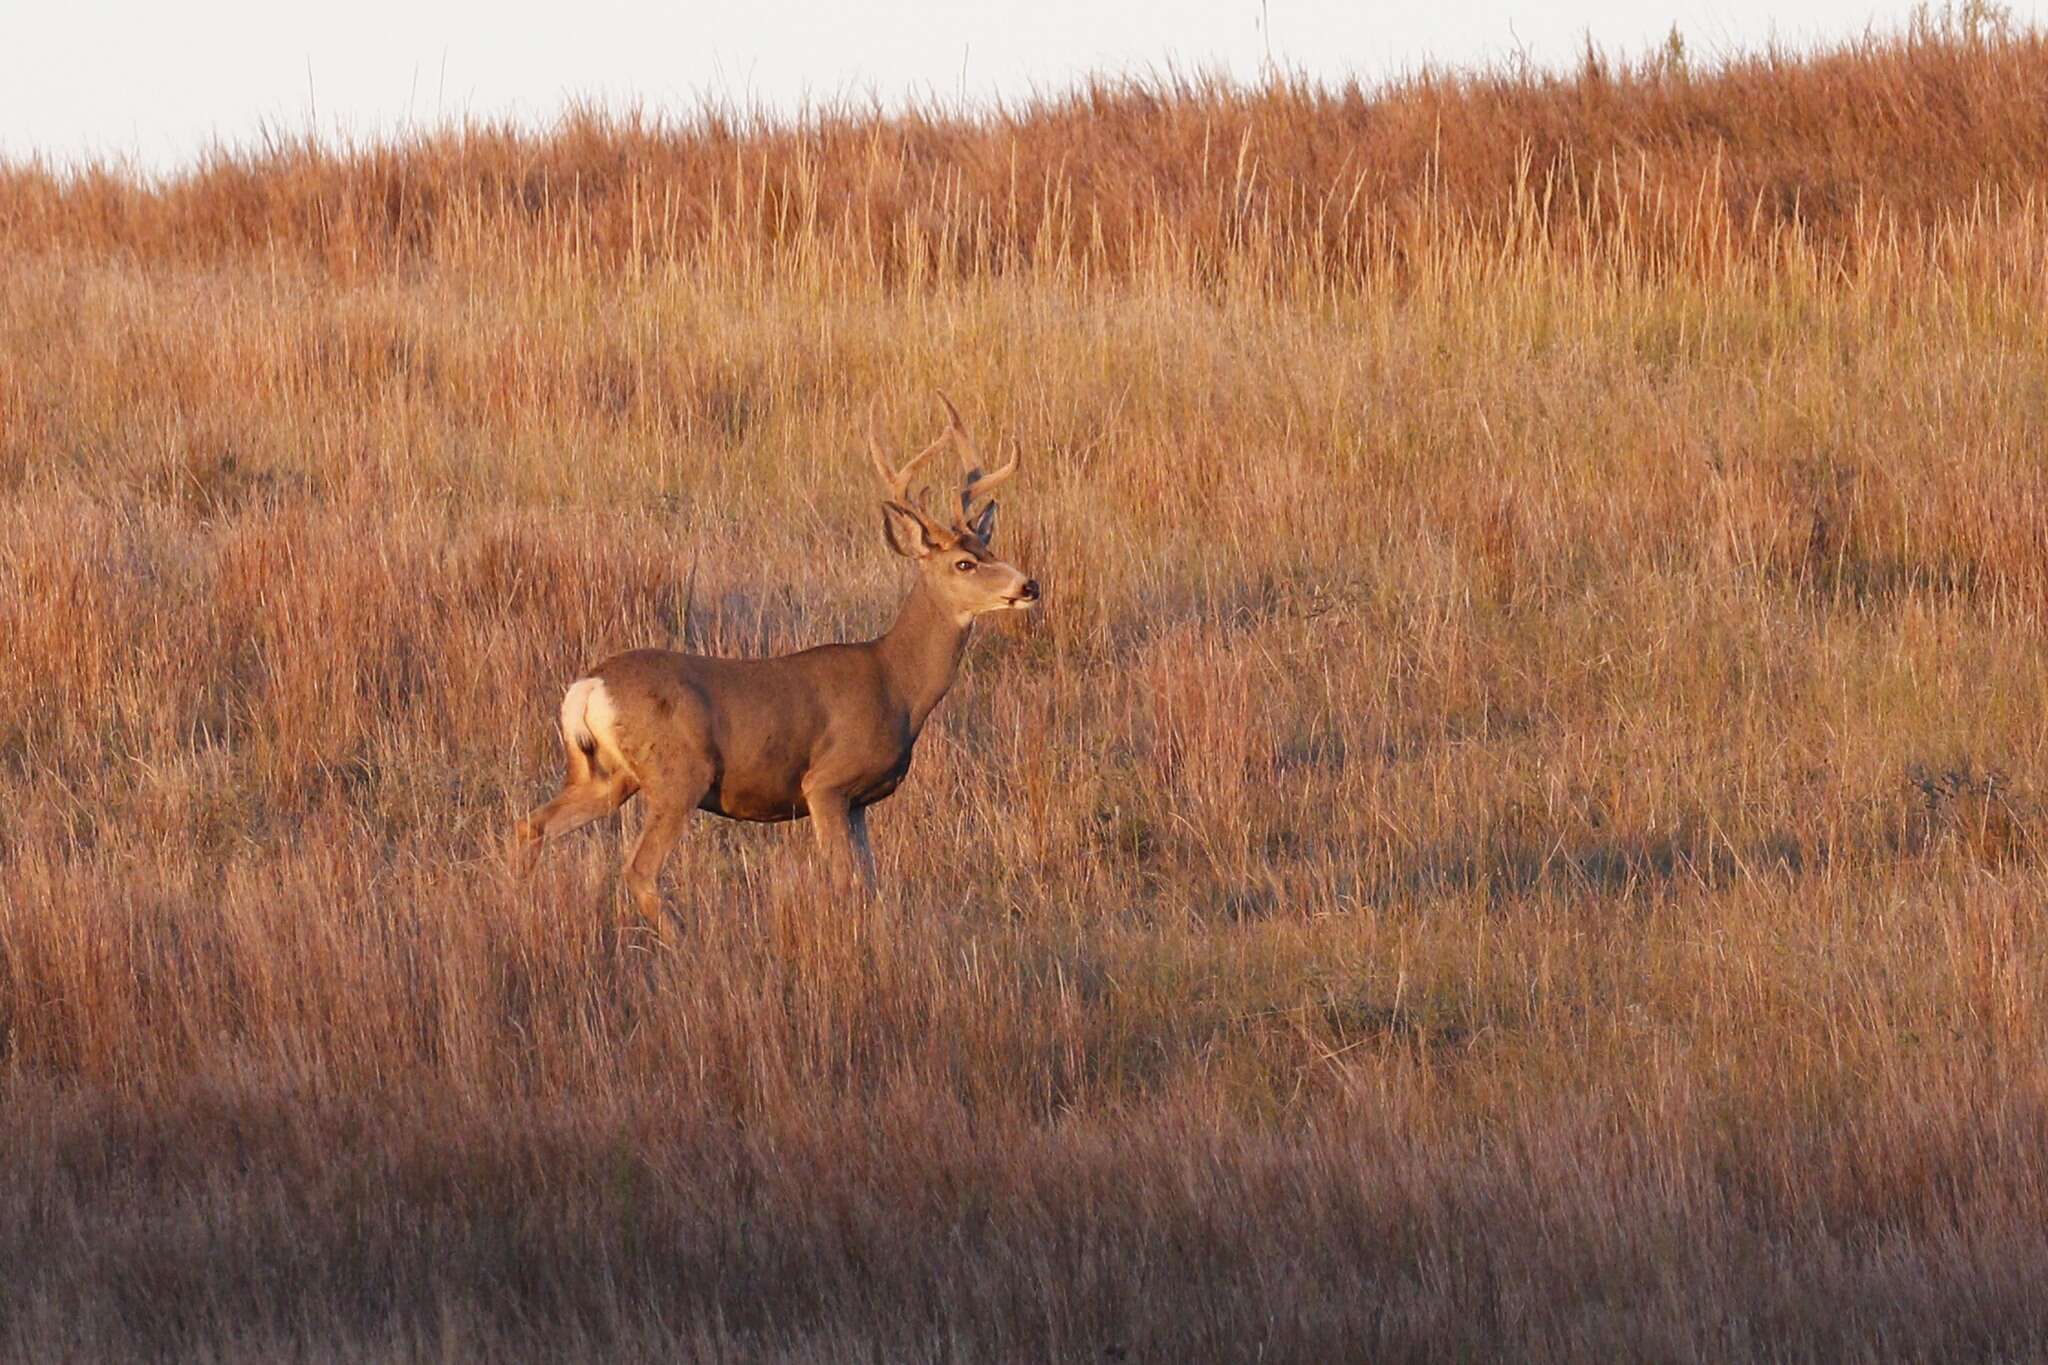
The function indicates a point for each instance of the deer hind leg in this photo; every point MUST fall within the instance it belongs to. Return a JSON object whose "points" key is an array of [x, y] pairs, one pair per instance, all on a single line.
{"points": [[586, 795], [669, 804]]}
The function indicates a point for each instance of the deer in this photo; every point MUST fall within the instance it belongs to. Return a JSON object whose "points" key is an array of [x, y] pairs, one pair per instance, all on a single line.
{"points": [[821, 734]]}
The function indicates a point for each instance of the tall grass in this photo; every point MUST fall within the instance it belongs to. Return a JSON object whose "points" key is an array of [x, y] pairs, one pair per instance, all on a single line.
{"points": [[1518, 832]]}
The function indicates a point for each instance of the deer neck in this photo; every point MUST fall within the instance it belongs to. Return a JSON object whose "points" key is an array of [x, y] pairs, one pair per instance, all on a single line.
{"points": [[921, 652]]}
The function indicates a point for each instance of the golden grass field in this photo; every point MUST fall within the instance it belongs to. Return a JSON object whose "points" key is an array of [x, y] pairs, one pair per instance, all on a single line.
{"points": [[1518, 833]]}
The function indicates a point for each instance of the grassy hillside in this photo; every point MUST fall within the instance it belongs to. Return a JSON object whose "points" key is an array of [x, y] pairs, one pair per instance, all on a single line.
{"points": [[1518, 831]]}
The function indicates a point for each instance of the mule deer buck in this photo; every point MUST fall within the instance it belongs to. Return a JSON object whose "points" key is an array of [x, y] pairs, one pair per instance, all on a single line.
{"points": [[824, 733]]}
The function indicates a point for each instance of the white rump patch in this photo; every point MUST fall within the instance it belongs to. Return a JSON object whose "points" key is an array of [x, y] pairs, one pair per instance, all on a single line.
{"points": [[589, 719]]}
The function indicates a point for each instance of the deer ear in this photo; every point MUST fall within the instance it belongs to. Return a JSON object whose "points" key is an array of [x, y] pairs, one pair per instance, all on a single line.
{"points": [[905, 531], [984, 525]]}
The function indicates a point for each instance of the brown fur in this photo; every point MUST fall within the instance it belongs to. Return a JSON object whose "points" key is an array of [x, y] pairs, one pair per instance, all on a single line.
{"points": [[823, 733]]}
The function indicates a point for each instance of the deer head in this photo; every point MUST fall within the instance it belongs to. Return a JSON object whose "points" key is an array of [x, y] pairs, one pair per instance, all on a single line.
{"points": [[959, 567]]}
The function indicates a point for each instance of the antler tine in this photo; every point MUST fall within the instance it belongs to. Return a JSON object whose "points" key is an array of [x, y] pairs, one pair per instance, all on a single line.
{"points": [[977, 483], [985, 484], [896, 480], [882, 465]]}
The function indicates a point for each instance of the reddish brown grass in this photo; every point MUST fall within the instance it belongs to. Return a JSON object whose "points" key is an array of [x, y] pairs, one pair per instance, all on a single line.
{"points": [[1518, 833]]}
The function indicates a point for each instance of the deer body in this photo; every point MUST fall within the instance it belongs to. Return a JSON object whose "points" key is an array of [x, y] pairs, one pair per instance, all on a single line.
{"points": [[843, 716], [823, 733]]}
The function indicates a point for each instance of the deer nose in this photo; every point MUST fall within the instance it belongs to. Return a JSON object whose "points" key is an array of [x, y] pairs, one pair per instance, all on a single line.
{"points": [[1029, 592]]}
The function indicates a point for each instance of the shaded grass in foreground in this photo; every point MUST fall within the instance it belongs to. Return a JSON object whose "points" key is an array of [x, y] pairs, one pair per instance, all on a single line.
{"points": [[923, 1234]]}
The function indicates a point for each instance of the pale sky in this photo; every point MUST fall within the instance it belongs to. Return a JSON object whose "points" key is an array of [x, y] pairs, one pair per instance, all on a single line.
{"points": [[157, 81]]}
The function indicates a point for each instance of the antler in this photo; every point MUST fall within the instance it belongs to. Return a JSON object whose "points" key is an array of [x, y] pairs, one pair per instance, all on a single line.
{"points": [[897, 480], [977, 483]]}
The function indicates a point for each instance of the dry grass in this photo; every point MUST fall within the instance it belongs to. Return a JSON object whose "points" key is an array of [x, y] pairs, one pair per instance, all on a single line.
{"points": [[1519, 832]]}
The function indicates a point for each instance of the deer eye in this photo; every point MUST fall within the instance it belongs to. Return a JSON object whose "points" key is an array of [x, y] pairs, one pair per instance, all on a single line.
{"points": [[965, 566]]}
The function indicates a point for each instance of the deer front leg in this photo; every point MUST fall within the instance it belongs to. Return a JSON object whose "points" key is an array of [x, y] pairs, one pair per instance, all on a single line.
{"points": [[842, 838], [863, 851]]}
